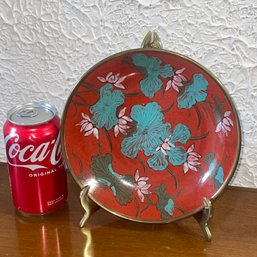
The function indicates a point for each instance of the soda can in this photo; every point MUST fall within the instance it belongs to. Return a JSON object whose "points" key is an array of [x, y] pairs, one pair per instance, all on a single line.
{"points": [[37, 173]]}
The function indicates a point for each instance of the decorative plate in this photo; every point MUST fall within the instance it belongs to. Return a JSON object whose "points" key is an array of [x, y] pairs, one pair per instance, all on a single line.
{"points": [[152, 133]]}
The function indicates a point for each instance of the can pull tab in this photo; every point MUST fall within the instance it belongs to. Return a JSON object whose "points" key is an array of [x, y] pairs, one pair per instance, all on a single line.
{"points": [[27, 113]]}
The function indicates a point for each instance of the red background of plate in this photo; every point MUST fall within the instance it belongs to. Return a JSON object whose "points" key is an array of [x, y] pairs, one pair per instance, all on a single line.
{"points": [[192, 190]]}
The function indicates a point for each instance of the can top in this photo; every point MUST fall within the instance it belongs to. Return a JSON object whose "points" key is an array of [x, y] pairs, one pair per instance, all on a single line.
{"points": [[31, 114]]}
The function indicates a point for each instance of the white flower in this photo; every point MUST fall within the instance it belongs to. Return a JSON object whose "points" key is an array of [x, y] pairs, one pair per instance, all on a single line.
{"points": [[142, 186], [87, 126], [177, 81], [122, 123], [165, 146], [115, 80], [192, 160], [225, 124]]}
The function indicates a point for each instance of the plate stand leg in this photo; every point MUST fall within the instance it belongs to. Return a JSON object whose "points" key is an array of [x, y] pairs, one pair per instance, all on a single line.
{"points": [[203, 217], [88, 205], [151, 40]]}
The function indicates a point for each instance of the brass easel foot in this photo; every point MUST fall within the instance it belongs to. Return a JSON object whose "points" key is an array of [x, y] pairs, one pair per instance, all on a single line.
{"points": [[203, 217], [88, 249], [88, 205], [151, 40]]}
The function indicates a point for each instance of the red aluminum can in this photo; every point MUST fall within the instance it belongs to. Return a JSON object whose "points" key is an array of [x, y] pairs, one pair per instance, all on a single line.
{"points": [[36, 169]]}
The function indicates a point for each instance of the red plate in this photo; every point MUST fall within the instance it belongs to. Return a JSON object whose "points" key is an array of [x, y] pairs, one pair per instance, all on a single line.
{"points": [[152, 133]]}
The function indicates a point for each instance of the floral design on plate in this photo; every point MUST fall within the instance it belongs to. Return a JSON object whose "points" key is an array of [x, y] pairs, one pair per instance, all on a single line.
{"points": [[153, 142], [151, 70], [116, 80], [104, 110]]}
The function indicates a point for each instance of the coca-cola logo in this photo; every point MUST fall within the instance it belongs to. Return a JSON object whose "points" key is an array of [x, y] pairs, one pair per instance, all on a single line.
{"points": [[32, 157]]}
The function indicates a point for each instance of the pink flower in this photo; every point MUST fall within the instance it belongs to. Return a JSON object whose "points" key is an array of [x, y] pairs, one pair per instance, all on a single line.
{"points": [[225, 124], [142, 186], [165, 146], [192, 160], [177, 81], [87, 126], [116, 80], [122, 123]]}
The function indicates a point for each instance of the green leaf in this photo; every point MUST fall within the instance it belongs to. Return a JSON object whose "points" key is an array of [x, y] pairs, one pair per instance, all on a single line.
{"points": [[165, 203], [121, 185], [209, 158]]}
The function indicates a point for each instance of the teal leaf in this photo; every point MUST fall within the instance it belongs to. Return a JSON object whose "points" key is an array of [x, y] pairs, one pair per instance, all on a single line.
{"points": [[158, 161], [131, 145], [220, 175], [150, 85], [177, 155], [169, 207], [104, 110], [193, 93], [219, 178], [140, 60], [181, 134], [151, 70], [148, 115], [106, 90], [149, 133], [166, 71]]}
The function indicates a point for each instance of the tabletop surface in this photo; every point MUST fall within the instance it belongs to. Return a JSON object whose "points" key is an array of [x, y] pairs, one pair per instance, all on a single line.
{"points": [[233, 226]]}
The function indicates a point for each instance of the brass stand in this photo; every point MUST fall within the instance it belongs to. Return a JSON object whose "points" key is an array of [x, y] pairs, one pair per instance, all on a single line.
{"points": [[151, 40], [203, 217], [88, 205], [88, 249]]}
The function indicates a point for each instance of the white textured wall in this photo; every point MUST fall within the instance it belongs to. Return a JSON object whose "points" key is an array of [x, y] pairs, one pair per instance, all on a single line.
{"points": [[46, 46]]}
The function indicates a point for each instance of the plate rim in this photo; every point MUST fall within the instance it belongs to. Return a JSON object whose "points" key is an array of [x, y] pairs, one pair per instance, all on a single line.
{"points": [[233, 168]]}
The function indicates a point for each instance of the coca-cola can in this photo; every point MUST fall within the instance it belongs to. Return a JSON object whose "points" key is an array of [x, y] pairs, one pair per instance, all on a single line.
{"points": [[36, 169]]}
